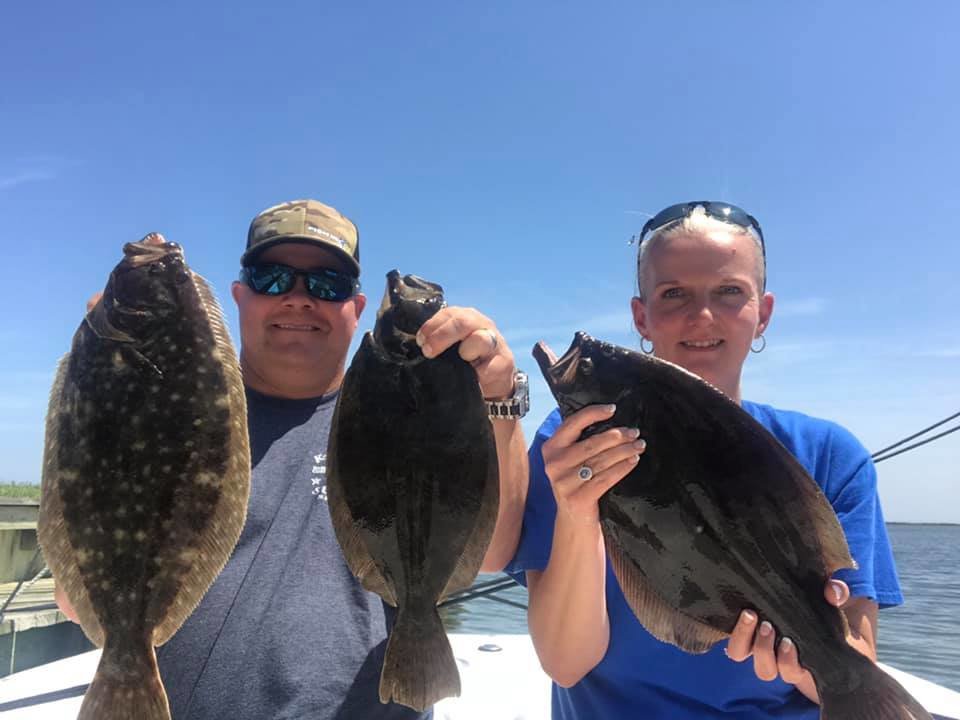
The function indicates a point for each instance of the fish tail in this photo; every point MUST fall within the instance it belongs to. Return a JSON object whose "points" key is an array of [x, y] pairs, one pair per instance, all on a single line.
{"points": [[126, 686], [877, 697], [418, 665]]}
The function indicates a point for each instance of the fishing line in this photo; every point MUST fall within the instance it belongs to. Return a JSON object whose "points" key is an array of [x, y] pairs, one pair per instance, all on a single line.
{"points": [[915, 445], [481, 590], [878, 453]]}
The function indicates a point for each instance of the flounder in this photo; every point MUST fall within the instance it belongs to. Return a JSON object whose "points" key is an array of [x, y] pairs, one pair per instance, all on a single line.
{"points": [[413, 485], [716, 517], [146, 470]]}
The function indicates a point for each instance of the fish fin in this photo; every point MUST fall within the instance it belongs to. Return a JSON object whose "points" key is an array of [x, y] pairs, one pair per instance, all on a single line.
{"points": [[820, 520], [216, 541], [358, 558], [662, 621], [826, 525], [51, 526], [221, 335], [418, 665], [347, 530], [213, 547], [684, 391], [878, 697], [471, 559], [126, 686]]}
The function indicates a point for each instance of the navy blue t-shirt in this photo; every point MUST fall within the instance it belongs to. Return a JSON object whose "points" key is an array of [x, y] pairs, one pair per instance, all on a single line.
{"points": [[285, 631], [642, 677]]}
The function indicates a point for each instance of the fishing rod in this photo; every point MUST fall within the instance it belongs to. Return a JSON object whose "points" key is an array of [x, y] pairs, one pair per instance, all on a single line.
{"points": [[485, 589], [23, 584], [883, 454]]}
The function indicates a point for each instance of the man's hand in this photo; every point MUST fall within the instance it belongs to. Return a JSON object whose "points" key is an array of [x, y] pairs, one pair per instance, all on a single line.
{"points": [[60, 597], [481, 345]]}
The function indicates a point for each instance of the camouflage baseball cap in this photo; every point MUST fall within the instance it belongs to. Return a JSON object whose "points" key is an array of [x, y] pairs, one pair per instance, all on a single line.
{"points": [[304, 221]]}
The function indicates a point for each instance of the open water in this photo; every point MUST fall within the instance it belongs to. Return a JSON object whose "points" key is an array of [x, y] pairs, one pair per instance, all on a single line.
{"points": [[921, 637]]}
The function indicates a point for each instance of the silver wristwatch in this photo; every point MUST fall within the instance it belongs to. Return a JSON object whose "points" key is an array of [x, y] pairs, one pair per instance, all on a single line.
{"points": [[515, 406]]}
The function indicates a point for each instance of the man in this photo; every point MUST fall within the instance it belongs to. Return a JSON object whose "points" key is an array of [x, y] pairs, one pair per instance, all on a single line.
{"points": [[286, 631]]}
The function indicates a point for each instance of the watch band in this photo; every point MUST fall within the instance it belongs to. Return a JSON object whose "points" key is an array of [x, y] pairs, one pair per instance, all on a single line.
{"points": [[515, 406]]}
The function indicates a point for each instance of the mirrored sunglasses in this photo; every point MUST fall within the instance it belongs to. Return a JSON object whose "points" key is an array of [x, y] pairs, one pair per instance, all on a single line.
{"points": [[276, 279], [718, 210]]}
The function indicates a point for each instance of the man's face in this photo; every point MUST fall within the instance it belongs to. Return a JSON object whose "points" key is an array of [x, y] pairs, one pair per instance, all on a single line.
{"points": [[293, 339]]}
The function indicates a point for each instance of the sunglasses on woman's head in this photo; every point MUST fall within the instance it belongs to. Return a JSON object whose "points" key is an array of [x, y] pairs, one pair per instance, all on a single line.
{"points": [[718, 210], [276, 279]]}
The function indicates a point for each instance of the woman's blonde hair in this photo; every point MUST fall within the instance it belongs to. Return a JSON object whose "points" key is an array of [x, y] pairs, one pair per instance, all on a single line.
{"points": [[698, 222]]}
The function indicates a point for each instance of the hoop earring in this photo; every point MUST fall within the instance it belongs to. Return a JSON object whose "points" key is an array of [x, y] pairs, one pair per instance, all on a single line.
{"points": [[644, 349], [762, 346]]}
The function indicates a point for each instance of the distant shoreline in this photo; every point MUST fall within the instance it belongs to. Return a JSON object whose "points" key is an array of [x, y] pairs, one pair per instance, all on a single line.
{"points": [[22, 493]]}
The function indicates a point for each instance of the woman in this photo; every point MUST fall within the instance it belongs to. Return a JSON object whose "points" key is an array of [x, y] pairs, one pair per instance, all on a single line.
{"points": [[701, 304]]}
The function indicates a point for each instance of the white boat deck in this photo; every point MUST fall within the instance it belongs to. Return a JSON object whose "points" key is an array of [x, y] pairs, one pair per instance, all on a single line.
{"points": [[504, 684]]}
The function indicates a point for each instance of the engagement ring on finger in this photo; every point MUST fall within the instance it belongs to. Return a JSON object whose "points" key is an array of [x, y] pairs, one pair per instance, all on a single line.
{"points": [[585, 473]]}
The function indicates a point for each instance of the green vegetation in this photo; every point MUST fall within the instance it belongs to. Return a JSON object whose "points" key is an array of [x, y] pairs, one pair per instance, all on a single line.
{"points": [[31, 492]]}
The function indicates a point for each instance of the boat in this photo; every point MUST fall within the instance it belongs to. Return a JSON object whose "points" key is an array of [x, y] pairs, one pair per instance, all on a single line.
{"points": [[500, 673], [500, 677]]}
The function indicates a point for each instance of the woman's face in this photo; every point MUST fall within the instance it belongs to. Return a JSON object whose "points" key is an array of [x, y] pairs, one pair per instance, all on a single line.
{"points": [[702, 305]]}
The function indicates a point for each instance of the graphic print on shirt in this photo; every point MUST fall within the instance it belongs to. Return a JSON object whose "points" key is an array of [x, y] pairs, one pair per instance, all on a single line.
{"points": [[318, 476]]}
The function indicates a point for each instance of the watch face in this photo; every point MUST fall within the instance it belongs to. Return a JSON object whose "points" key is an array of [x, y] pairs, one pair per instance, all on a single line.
{"points": [[514, 407]]}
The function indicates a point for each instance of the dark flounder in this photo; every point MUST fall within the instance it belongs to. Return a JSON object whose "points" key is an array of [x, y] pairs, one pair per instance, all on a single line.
{"points": [[716, 517], [146, 469], [413, 485]]}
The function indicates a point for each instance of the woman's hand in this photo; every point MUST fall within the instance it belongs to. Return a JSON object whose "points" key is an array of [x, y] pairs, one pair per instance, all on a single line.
{"points": [[582, 471], [750, 640]]}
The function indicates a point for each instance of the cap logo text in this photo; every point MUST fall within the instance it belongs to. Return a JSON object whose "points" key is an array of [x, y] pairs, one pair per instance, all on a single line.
{"points": [[330, 236]]}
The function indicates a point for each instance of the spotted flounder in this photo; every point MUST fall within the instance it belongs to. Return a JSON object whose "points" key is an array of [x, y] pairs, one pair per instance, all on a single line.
{"points": [[146, 470], [413, 485], [716, 517]]}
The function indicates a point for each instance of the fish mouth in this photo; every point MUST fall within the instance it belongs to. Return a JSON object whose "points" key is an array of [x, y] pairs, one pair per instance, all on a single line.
{"points": [[562, 371], [151, 248], [545, 357], [409, 301], [410, 288], [394, 286]]}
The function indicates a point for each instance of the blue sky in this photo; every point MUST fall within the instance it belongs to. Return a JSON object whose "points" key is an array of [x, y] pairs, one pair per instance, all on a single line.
{"points": [[508, 151]]}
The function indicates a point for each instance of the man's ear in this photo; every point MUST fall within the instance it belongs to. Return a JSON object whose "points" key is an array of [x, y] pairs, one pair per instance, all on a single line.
{"points": [[359, 303], [236, 290]]}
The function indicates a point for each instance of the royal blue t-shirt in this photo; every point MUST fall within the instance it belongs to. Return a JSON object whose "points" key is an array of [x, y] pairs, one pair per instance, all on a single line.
{"points": [[641, 677]]}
